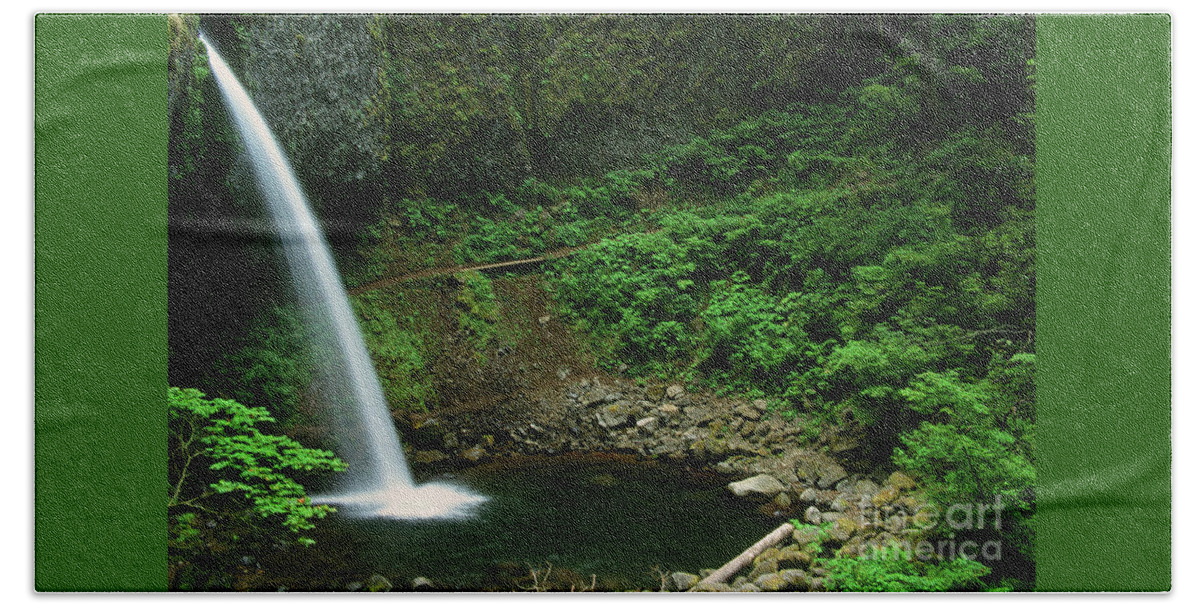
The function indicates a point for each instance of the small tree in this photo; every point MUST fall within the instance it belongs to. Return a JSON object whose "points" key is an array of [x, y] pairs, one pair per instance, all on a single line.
{"points": [[230, 485]]}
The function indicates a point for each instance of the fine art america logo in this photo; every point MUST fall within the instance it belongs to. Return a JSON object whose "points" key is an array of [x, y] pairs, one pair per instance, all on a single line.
{"points": [[965, 516]]}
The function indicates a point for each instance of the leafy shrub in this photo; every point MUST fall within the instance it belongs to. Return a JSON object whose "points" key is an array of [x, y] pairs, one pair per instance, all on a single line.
{"points": [[396, 352], [974, 447], [729, 161], [273, 369], [490, 241], [478, 312], [231, 486], [634, 291], [863, 574], [749, 338], [223, 437]]}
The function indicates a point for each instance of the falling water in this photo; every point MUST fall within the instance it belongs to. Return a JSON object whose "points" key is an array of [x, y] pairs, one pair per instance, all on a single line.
{"points": [[379, 480]]}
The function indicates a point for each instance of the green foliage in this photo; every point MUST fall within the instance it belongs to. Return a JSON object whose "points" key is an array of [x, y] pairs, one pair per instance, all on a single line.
{"points": [[975, 446], [888, 289], [221, 461], [750, 337], [638, 292], [426, 219], [225, 470], [273, 370], [396, 352], [863, 574], [478, 312], [232, 488], [775, 148]]}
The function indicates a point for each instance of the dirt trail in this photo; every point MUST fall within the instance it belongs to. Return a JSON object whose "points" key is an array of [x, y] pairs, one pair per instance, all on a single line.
{"points": [[435, 272]]}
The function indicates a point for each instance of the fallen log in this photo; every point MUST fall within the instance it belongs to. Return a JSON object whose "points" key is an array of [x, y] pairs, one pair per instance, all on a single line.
{"points": [[747, 556]]}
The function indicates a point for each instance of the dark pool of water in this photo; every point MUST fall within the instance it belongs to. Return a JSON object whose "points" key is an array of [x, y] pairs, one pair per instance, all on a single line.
{"points": [[564, 518]]}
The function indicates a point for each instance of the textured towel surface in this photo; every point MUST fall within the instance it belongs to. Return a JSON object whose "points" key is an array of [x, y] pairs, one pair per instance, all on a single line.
{"points": [[1102, 447]]}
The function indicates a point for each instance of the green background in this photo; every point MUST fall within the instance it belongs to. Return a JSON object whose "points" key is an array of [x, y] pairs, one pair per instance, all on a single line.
{"points": [[1103, 196], [1103, 183], [100, 302]]}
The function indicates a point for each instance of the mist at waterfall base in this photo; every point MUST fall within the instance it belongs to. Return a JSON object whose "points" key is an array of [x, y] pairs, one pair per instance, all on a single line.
{"points": [[378, 482]]}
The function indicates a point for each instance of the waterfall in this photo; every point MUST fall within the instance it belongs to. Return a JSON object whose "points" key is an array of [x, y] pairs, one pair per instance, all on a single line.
{"points": [[378, 479]]}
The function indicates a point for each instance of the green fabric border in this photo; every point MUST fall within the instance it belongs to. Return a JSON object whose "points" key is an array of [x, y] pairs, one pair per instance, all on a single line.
{"points": [[100, 294], [1104, 302]]}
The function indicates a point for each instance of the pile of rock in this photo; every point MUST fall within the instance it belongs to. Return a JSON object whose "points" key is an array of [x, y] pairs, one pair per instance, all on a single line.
{"points": [[612, 416], [841, 516]]}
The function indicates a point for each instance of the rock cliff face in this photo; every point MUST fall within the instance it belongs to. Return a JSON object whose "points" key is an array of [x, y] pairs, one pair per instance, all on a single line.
{"points": [[314, 78], [415, 105]]}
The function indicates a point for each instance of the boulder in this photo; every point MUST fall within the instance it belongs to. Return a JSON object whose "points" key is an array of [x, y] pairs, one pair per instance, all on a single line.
{"points": [[844, 528], [675, 391], [771, 582], [783, 501], [648, 424], [712, 587], [901, 481], [422, 583], [910, 504], [748, 412], [682, 581], [378, 583], [717, 448], [866, 487], [819, 469], [474, 454], [759, 484], [830, 476], [812, 515], [698, 414], [794, 557], [656, 392], [885, 496], [796, 580], [593, 397], [613, 416]]}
